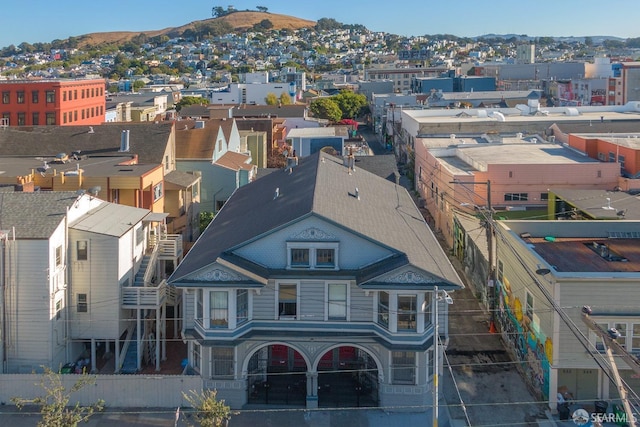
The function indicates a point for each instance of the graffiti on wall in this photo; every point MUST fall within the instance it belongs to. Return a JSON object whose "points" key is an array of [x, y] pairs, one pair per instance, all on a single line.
{"points": [[532, 348]]}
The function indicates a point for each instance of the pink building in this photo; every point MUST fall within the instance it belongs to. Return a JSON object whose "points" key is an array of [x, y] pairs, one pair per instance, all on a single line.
{"points": [[520, 174]]}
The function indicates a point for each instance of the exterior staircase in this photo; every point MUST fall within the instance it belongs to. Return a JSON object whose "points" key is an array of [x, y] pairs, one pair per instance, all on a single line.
{"points": [[130, 363], [144, 264]]}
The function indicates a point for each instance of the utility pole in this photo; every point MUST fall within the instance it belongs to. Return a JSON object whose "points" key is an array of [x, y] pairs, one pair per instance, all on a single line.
{"points": [[491, 283], [436, 345], [610, 344], [436, 362]]}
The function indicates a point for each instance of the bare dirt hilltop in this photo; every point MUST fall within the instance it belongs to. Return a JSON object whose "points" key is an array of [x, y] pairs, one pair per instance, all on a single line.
{"points": [[239, 21]]}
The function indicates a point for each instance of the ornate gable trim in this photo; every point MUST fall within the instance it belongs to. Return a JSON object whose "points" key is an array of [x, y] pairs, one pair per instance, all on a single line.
{"points": [[313, 233], [217, 275], [410, 277]]}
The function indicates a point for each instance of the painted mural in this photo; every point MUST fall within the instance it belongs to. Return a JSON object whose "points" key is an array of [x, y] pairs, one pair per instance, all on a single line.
{"points": [[532, 348]]}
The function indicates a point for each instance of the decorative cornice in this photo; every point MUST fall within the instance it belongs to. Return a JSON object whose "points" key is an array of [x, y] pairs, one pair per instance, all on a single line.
{"points": [[409, 277], [217, 275], [313, 233]]}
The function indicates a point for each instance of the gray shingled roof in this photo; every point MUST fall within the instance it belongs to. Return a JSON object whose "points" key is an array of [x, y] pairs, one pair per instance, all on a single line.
{"points": [[180, 179], [34, 215], [322, 186], [147, 140]]}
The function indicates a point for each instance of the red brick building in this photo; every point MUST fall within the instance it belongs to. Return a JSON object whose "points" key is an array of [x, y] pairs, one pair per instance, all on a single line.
{"points": [[52, 102]]}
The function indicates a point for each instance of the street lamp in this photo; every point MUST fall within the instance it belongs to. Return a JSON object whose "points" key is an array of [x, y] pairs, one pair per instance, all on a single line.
{"points": [[489, 229], [436, 345]]}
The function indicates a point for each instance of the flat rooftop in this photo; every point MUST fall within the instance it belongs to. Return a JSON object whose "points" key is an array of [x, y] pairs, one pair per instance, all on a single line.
{"points": [[470, 157], [629, 140], [581, 255], [577, 247], [545, 114]]}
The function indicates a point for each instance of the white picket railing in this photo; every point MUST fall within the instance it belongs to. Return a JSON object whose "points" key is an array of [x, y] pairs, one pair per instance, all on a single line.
{"points": [[144, 297]]}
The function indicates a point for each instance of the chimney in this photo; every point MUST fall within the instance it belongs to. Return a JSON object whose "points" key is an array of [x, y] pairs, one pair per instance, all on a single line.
{"points": [[124, 141]]}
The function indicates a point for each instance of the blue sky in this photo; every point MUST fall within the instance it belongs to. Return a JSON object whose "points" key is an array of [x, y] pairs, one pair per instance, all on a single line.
{"points": [[45, 20]]}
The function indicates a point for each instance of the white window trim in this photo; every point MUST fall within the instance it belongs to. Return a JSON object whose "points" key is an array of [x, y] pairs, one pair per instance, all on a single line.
{"points": [[392, 368], [212, 364], [526, 305], [312, 246], [348, 302], [206, 308], [277, 299], [416, 312], [234, 302]]}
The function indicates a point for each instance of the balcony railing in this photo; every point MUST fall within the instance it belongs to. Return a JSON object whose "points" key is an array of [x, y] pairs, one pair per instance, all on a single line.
{"points": [[170, 246], [144, 297]]}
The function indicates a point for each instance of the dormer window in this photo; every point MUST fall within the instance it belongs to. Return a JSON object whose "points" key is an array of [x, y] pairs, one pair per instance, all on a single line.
{"points": [[312, 255], [299, 258], [325, 258]]}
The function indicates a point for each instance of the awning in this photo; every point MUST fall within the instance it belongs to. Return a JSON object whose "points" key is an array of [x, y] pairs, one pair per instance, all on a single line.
{"points": [[155, 217]]}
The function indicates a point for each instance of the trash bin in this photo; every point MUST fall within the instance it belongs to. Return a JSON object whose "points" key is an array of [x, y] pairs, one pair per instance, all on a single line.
{"points": [[563, 411], [600, 406], [69, 368]]}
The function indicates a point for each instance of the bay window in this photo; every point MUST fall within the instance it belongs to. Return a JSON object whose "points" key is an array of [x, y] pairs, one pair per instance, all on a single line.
{"points": [[407, 312], [218, 309], [242, 306], [222, 362], [383, 309], [403, 367]]}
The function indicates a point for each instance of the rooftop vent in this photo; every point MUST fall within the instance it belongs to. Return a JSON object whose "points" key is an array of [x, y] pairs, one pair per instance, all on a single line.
{"points": [[276, 194], [605, 252]]}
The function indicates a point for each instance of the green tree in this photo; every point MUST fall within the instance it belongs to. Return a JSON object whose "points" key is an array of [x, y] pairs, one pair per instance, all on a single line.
{"points": [[138, 84], [191, 100], [350, 103], [208, 410], [325, 108], [261, 9], [205, 219], [271, 99], [285, 99], [217, 11], [54, 405]]}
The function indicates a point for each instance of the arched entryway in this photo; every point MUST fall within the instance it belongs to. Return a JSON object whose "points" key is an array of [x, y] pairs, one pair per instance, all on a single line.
{"points": [[347, 377], [277, 375]]}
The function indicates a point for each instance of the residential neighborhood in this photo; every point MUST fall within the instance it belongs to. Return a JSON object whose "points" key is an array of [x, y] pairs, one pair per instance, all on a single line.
{"points": [[324, 217]]}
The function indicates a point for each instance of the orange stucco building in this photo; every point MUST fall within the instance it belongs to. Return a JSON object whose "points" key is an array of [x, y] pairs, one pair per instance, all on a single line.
{"points": [[52, 102]]}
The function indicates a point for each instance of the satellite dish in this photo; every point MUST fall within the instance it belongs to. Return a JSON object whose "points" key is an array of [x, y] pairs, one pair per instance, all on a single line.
{"points": [[543, 271], [94, 190]]}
